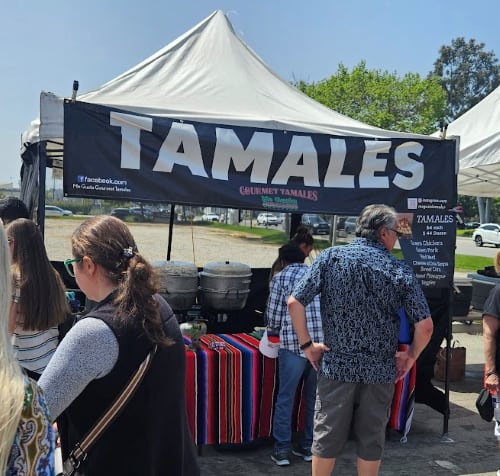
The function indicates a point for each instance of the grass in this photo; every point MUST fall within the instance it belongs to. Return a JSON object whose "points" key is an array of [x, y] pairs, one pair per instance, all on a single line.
{"points": [[469, 264], [267, 235], [463, 263]]}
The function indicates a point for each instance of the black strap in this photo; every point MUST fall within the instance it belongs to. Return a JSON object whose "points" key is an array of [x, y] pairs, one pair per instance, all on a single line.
{"points": [[80, 451]]}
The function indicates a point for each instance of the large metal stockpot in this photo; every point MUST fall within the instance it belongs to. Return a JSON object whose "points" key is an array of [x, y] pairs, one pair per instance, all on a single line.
{"points": [[225, 286], [178, 283]]}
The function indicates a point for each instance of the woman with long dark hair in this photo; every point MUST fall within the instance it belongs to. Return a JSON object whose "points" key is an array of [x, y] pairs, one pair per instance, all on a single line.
{"points": [[100, 353], [39, 301]]}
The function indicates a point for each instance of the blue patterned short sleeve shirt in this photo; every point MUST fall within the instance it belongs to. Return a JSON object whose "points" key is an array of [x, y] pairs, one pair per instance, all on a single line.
{"points": [[362, 286]]}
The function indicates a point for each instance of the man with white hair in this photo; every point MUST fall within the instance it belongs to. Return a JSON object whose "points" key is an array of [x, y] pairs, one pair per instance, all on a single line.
{"points": [[362, 286]]}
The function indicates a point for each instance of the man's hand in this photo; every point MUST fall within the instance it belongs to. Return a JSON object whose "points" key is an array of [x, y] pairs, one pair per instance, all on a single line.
{"points": [[315, 352], [492, 383], [404, 363]]}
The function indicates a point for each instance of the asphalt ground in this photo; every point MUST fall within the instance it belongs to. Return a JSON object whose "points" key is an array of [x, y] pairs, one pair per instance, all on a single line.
{"points": [[467, 448]]}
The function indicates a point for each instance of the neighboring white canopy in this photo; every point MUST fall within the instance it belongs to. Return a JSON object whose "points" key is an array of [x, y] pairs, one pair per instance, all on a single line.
{"points": [[208, 75], [479, 131]]}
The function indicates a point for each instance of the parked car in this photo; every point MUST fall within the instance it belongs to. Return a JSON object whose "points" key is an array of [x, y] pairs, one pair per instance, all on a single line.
{"points": [[120, 213], [487, 233], [316, 224], [144, 213], [350, 224], [471, 225], [267, 219], [210, 217], [161, 215], [53, 211]]}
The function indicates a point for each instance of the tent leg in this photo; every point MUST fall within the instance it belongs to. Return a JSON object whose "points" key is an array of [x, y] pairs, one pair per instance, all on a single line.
{"points": [[42, 174], [447, 365], [170, 230]]}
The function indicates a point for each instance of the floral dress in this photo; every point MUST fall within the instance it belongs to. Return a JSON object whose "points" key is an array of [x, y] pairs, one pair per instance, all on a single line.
{"points": [[34, 444]]}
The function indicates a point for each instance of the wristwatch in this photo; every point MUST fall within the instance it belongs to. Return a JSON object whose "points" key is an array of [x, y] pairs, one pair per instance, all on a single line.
{"points": [[305, 345], [491, 372]]}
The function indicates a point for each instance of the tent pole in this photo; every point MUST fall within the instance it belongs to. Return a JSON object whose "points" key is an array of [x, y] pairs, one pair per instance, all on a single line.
{"points": [[170, 230], [42, 174], [445, 438], [333, 227]]}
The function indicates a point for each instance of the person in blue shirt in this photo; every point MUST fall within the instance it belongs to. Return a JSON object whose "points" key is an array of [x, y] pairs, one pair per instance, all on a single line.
{"points": [[362, 286], [293, 365]]}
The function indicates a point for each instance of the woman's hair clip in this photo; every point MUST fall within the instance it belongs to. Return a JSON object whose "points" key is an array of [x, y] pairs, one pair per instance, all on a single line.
{"points": [[128, 252]]}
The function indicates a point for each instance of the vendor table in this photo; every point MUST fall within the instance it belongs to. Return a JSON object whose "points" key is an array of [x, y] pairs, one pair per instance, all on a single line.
{"points": [[231, 389]]}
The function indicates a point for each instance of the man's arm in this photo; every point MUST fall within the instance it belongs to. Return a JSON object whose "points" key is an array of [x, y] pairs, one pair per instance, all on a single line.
{"points": [[490, 329], [421, 337]]}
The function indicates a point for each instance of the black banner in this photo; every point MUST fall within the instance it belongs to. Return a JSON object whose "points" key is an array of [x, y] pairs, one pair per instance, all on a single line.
{"points": [[117, 155]]}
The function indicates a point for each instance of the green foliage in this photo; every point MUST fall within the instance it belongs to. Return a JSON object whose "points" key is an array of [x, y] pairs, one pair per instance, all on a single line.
{"points": [[495, 210], [471, 210], [409, 103], [467, 73], [469, 205]]}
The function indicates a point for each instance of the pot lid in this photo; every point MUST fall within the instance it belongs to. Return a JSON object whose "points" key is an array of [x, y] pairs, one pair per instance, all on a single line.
{"points": [[225, 268], [176, 268]]}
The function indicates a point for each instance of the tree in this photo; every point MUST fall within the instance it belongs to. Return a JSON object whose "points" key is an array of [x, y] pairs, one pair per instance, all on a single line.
{"points": [[382, 99], [467, 73], [469, 205]]}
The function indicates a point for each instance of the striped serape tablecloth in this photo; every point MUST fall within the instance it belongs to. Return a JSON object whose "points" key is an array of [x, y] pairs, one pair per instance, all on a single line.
{"points": [[231, 389]]}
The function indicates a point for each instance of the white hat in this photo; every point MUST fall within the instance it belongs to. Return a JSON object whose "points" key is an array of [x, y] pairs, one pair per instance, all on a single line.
{"points": [[268, 348]]}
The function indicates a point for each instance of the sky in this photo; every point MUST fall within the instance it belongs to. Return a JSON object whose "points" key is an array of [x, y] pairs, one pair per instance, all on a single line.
{"points": [[45, 45]]}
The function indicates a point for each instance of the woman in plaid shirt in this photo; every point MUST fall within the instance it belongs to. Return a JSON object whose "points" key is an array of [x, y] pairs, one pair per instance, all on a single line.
{"points": [[293, 365]]}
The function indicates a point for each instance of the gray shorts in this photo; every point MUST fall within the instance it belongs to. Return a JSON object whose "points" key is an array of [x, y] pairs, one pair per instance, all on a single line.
{"points": [[340, 406]]}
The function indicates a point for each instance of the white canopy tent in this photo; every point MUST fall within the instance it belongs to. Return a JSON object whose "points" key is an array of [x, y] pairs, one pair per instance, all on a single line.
{"points": [[479, 131], [208, 74]]}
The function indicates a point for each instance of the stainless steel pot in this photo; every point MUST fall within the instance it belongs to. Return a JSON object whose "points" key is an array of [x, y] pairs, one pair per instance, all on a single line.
{"points": [[178, 283], [225, 286]]}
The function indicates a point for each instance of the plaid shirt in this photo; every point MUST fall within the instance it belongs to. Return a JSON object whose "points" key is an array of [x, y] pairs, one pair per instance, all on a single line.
{"points": [[277, 311]]}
